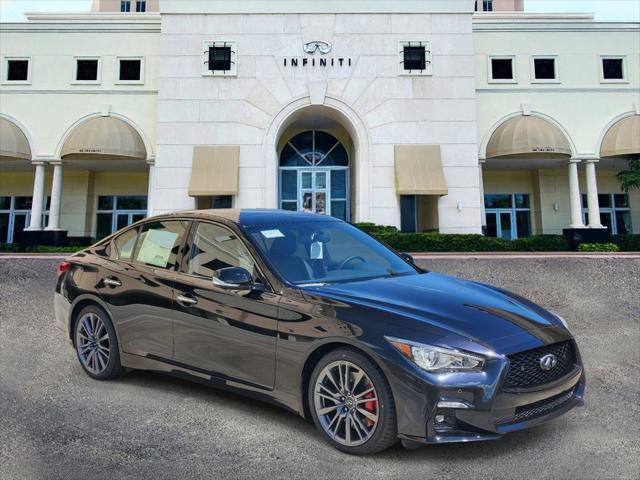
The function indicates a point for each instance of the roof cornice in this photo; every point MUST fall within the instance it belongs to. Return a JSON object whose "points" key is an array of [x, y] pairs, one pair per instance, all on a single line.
{"points": [[82, 22], [521, 21]]}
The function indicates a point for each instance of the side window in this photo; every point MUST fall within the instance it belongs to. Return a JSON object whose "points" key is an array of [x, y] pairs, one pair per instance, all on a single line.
{"points": [[159, 243], [215, 247], [123, 245]]}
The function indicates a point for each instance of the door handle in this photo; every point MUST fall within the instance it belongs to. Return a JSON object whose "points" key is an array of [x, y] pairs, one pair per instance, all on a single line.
{"points": [[186, 300], [112, 282]]}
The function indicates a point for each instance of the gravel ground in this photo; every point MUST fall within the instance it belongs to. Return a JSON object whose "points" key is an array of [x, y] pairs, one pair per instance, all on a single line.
{"points": [[55, 422]]}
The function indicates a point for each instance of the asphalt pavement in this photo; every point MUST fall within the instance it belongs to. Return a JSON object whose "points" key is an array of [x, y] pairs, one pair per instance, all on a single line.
{"points": [[57, 423]]}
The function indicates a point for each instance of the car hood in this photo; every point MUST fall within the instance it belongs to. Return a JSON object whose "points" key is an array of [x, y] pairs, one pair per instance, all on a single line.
{"points": [[468, 309]]}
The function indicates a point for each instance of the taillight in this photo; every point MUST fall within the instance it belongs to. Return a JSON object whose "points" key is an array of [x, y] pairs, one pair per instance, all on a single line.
{"points": [[62, 267]]}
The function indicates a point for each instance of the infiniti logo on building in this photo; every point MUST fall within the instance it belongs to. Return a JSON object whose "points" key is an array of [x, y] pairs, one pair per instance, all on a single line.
{"points": [[323, 47], [549, 361]]}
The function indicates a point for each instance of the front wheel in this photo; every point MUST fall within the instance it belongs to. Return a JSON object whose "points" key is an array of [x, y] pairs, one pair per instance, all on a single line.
{"points": [[96, 344], [351, 403]]}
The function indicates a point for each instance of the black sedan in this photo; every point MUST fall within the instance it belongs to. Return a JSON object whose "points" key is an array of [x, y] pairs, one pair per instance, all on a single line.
{"points": [[311, 313]]}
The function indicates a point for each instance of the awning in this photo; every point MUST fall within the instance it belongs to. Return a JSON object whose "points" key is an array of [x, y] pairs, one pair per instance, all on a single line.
{"points": [[419, 170], [102, 137], [214, 170], [622, 139], [527, 136], [13, 142]]}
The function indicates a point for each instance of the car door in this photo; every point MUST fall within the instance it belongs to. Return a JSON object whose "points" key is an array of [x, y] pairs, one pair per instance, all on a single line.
{"points": [[136, 283], [226, 333]]}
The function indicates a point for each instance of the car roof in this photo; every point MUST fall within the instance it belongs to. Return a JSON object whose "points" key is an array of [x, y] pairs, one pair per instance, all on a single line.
{"points": [[248, 217]]}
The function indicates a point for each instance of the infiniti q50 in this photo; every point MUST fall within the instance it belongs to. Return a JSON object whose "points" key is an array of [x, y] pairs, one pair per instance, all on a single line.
{"points": [[311, 313]]}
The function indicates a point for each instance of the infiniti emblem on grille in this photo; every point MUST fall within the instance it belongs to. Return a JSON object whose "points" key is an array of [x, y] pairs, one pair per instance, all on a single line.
{"points": [[548, 361]]}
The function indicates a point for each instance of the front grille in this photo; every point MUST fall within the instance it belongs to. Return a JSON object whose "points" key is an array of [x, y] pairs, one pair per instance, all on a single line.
{"points": [[525, 370], [542, 407]]}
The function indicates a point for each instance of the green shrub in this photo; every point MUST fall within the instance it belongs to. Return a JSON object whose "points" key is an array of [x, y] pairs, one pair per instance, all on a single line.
{"points": [[627, 243], [17, 248], [373, 229], [598, 247], [437, 242]]}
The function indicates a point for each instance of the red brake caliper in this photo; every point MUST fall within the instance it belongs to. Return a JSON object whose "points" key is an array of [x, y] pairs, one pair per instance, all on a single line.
{"points": [[370, 406]]}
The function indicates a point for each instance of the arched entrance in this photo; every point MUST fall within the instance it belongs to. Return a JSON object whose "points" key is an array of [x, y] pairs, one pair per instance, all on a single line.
{"points": [[339, 121], [314, 174]]}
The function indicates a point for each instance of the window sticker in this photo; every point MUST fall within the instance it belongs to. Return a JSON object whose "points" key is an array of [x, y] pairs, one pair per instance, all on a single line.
{"points": [[317, 252], [156, 247], [275, 233]]}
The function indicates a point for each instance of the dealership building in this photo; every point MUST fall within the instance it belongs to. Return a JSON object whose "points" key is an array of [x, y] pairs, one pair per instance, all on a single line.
{"points": [[431, 115]]}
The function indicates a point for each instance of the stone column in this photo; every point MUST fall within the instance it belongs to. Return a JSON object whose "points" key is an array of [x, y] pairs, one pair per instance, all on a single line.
{"points": [[56, 198], [483, 212], [150, 189], [37, 199], [592, 195], [574, 195]]}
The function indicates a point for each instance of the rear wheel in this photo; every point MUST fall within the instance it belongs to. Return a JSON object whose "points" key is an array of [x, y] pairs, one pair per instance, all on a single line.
{"points": [[96, 344], [351, 403]]}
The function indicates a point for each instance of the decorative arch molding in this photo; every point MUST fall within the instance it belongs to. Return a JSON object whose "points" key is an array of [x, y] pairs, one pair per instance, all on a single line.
{"points": [[485, 140], [147, 143], [24, 130], [608, 126], [350, 121]]}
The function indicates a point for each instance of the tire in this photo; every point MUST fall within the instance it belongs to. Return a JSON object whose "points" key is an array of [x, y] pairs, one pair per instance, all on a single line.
{"points": [[98, 354], [365, 404]]}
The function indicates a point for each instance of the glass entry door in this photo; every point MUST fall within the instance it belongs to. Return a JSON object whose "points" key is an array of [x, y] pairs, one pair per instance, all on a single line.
{"points": [[314, 192], [20, 222], [501, 224], [314, 175]]}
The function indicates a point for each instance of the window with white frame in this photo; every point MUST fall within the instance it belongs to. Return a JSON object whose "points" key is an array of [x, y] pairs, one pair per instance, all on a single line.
{"points": [[484, 5], [86, 70], [508, 215], [544, 69], [15, 216], [130, 70], [615, 213], [502, 69], [415, 58], [141, 6], [17, 70], [612, 69], [220, 59], [125, 6], [114, 212]]}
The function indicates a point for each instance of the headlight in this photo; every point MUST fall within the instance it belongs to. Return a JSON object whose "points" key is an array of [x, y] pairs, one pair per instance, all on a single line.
{"points": [[436, 359]]}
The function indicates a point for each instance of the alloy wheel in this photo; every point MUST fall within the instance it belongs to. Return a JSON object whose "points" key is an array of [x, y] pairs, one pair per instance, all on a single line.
{"points": [[93, 343], [346, 403]]}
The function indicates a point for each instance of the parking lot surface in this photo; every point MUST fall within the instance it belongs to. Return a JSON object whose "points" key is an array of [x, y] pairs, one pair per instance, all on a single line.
{"points": [[57, 423]]}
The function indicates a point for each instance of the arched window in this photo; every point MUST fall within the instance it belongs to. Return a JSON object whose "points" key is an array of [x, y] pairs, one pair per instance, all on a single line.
{"points": [[314, 175]]}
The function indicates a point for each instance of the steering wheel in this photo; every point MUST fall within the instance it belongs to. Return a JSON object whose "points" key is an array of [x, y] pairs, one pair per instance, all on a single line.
{"points": [[350, 259]]}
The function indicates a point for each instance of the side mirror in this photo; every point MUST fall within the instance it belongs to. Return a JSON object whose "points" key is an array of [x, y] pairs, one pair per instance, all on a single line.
{"points": [[236, 278], [408, 257]]}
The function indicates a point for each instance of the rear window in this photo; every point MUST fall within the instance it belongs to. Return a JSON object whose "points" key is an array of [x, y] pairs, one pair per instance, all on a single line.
{"points": [[159, 243]]}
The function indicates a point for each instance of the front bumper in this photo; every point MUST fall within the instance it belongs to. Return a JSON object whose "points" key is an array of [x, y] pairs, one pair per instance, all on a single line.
{"points": [[454, 418]]}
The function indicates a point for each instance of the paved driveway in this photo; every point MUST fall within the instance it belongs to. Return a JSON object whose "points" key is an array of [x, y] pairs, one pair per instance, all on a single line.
{"points": [[55, 422]]}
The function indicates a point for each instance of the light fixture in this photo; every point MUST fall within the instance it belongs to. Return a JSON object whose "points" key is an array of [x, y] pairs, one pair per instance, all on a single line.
{"points": [[460, 206], [556, 206]]}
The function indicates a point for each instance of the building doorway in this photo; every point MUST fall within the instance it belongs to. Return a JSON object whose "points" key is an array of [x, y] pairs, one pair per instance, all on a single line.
{"points": [[15, 216], [508, 215], [314, 175]]}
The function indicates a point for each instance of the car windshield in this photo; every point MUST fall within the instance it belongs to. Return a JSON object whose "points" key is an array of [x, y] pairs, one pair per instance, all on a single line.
{"points": [[325, 252]]}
